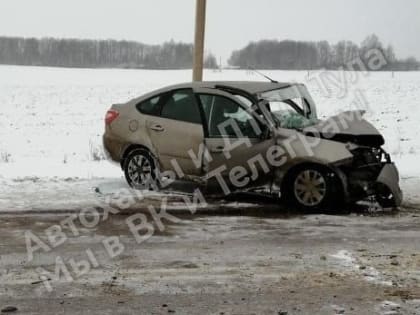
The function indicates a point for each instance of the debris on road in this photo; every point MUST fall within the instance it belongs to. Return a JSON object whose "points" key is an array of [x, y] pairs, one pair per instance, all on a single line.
{"points": [[9, 309]]}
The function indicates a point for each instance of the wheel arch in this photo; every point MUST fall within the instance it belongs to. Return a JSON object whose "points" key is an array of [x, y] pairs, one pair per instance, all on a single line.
{"points": [[131, 148], [342, 180]]}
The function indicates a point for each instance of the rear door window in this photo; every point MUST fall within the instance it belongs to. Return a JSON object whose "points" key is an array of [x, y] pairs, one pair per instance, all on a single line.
{"points": [[182, 106]]}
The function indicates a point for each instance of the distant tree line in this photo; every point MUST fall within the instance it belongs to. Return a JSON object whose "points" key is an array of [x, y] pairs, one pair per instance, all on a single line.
{"points": [[264, 54], [97, 53], [301, 55]]}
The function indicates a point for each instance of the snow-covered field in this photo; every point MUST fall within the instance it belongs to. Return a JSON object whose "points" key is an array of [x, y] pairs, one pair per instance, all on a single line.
{"points": [[51, 123]]}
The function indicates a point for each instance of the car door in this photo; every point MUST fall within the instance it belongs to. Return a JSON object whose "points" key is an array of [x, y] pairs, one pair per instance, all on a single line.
{"points": [[233, 136], [176, 131]]}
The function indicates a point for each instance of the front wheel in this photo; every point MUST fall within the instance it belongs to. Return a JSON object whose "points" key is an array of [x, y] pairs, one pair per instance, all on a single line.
{"points": [[311, 187], [140, 170]]}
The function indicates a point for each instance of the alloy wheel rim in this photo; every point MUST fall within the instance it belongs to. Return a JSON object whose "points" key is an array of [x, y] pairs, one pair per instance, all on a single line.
{"points": [[310, 188], [140, 170]]}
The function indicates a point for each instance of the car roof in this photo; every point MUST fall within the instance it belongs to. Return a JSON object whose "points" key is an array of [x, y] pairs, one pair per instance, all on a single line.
{"points": [[252, 87]]}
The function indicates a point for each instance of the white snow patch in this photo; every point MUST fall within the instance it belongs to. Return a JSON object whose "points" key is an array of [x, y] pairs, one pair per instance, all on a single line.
{"points": [[388, 308], [390, 304], [371, 274], [345, 258]]}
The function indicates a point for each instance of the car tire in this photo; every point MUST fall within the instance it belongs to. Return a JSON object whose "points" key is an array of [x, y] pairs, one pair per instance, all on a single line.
{"points": [[140, 170], [311, 188]]}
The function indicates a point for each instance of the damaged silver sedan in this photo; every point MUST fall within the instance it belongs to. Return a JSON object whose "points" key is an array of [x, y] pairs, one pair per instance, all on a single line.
{"points": [[246, 135]]}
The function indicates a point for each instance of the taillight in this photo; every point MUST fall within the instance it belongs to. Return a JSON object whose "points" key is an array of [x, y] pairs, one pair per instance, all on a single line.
{"points": [[111, 115]]}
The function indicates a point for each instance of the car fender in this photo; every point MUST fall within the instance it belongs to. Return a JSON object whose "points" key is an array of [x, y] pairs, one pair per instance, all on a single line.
{"points": [[298, 145], [302, 149]]}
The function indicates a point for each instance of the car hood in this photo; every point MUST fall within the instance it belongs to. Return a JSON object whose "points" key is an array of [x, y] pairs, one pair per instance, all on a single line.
{"points": [[349, 126]]}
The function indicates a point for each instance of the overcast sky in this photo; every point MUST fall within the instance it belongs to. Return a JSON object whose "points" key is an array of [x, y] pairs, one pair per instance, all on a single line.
{"points": [[231, 24]]}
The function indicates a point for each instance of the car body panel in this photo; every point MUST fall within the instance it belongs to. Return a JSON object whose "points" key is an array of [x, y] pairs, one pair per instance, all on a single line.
{"points": [[240, 155], [129, 129], [390, 178], [351, 122], [348, 126], [174, 141], [301, 146]]}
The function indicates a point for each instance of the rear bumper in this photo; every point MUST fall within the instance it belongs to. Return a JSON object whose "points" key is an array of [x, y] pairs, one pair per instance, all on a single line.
{"points": [[113, 148], [389, 178]]}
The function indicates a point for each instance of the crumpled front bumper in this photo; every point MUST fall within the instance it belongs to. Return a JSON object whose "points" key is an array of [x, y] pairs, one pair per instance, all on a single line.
{"points": [[389, 177]]}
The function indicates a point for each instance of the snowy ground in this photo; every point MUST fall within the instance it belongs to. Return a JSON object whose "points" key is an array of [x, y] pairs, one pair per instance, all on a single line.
{"points": [[51, 122]]}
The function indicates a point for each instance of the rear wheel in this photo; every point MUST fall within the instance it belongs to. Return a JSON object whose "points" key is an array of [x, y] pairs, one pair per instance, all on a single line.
{"points": [[311, 187], [140, 170]]}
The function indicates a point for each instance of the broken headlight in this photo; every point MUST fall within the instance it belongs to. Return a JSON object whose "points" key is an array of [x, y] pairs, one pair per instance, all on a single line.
{"points": [[365, 156]]}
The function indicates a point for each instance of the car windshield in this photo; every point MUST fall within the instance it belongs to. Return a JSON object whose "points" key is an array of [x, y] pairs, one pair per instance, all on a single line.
{"points": [[292, 107]]}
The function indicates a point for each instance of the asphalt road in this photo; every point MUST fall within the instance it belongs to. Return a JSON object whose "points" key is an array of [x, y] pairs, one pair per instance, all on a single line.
{"points": [[252, 263]]}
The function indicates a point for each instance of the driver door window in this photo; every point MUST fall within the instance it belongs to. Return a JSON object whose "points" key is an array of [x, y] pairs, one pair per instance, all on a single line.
{"points": [[225, 118]]}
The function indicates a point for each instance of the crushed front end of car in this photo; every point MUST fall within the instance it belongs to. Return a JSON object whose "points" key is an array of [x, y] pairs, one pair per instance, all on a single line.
{"points": [[348, 145], [370, 172]]}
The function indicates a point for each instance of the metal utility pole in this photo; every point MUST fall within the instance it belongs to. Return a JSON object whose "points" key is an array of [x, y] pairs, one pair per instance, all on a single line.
{"points": [[200, 29]]}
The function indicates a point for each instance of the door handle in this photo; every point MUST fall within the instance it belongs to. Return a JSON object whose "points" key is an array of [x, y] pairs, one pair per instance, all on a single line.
{"points": [[157, 128], [218, 149]]}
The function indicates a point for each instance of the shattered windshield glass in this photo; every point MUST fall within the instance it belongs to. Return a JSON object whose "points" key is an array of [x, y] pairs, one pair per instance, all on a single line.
{"points": [[292, 107]]}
